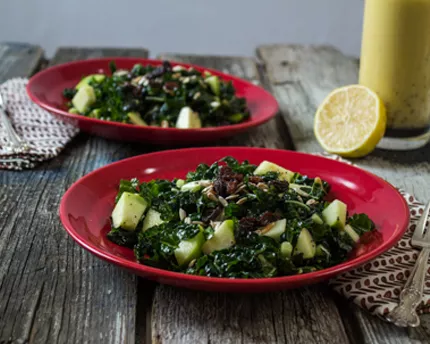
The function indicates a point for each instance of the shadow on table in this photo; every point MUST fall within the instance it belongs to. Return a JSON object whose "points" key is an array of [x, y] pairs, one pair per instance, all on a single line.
{"points": [[405, 157]]}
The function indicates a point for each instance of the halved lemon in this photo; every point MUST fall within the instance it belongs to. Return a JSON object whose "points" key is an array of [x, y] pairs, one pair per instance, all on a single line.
{"points": [[351, 121]]}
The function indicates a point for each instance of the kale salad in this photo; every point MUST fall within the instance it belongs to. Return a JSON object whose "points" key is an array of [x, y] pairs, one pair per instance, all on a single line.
{"points": [[236, 220], [162, 96]]}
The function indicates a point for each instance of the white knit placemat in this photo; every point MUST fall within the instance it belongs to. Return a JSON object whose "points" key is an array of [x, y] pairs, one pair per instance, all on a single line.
{"points": [[46, 135]]}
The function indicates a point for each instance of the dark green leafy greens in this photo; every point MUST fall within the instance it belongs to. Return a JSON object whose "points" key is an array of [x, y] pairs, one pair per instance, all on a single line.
{"points": [[361, 223], [156, 246], [158, 93], [266, 200]]}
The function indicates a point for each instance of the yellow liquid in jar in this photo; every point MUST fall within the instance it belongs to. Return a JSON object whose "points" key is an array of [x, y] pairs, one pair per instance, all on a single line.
{"points": [[395, 59]]}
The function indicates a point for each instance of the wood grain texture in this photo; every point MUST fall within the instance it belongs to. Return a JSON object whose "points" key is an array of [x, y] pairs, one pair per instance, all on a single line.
{"points": [[51, 290], [301, 77], [306, 315], [79, 53], [19, 60]]}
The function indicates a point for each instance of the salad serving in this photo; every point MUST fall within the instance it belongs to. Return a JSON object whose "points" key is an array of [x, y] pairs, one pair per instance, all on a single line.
{"points": [[238, 220], [162, 96]]}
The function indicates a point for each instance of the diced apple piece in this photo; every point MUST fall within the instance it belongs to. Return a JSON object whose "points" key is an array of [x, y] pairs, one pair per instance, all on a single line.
{"points": [[214, 83], [152, 218], [352, 233], [305, 245], [189, 249], [275, 229], [188, 119], [135, 118], [195, 186], [267, 166], [317, 219], [93, 77], [286, 249], [223, 238], [128, 211], [84, 98], [335, 214]]}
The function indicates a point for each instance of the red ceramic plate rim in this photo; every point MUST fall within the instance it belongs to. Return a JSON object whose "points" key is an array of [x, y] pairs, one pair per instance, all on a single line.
{"points": [[317, 275], [253, 121]]}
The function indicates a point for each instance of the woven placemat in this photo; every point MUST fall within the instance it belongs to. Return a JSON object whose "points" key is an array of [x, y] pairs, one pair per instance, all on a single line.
{"points": [[47, 136], [376, 285]]}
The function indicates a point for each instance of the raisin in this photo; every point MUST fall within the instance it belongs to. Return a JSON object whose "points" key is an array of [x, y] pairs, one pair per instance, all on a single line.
{"points": [[227, 181], [280, 185], [255, 179]]}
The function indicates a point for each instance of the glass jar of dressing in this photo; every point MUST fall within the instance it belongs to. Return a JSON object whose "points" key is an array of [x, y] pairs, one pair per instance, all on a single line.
{"points": [[395, 63]]}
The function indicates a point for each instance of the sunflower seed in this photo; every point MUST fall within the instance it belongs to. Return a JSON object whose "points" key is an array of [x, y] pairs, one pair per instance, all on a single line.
{"points": [[212, 196], [196, 96], [187, 220], [207, 189], [239, 189], [215, 224], [231, 197], [192, 263], [136, 80], [198, 223], [242, 200], [223, 202], [266, 229], [164, 124], [299, 191], [262, 186], [311, 202], [182, 214]]}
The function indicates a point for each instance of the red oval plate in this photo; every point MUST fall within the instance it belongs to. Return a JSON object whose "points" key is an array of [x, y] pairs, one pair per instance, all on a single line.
{"points": [[86, 207], [46, 90]]}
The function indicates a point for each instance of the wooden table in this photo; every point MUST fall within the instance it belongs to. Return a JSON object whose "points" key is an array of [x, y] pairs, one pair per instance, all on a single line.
{"points": [[52, 291]]}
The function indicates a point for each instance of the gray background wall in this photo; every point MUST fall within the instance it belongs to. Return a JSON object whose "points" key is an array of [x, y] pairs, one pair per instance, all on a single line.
{"points": [[232, 27]]}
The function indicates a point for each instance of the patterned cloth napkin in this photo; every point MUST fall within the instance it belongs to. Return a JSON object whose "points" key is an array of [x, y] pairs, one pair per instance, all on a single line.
{"points": [[376, 286], [46, 135]]}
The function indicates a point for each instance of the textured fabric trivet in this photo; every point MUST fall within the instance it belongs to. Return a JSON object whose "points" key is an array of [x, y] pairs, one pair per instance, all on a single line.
{"points": [[376, 285], [46, 135]]}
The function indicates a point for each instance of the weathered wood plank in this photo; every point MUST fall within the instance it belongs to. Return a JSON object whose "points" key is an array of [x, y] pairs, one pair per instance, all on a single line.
{"points": [[300, 78], [19, 60], [74, 53], [306, 315], [51, 290], [299, 316]]}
